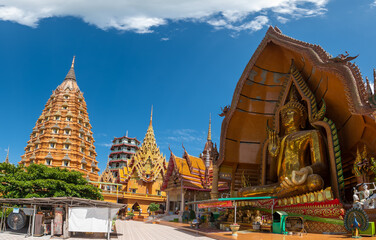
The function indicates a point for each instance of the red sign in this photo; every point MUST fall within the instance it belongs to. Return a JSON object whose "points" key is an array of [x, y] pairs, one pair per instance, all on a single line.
{"points": [[215, 204]]}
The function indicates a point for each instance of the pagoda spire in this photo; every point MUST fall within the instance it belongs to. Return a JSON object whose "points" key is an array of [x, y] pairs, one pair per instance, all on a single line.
{"points": [[151, 117], [7, 157], [209, 130], [71, 74], [374, 81]]}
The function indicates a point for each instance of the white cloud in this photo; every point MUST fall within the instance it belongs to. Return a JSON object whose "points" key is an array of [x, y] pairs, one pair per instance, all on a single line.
{"points": [[105, 144], [282, 20], [165, 39], [142, 16], [184, 136]]}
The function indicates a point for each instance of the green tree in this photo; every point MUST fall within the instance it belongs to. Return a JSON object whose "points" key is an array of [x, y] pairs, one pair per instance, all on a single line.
{"points": [[38, 180], [153, 207]]}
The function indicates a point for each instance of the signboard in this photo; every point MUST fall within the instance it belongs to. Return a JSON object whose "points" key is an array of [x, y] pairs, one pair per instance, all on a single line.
{"points": [[215, 204]]}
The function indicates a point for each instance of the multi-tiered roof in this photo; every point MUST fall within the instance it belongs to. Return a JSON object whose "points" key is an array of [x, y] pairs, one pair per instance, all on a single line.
{"points": [[148, 163], [62, 135]]}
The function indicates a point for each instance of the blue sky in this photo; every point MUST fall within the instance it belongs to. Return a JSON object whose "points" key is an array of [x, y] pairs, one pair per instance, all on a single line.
{"points": [[185, 60]]}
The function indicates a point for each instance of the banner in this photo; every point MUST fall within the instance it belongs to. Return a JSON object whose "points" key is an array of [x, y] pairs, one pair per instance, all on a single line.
{"points": [[215, 204]]}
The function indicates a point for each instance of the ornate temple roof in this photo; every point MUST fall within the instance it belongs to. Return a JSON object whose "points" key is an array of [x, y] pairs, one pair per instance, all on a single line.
{"points": [[191, 172], [148, 163]]}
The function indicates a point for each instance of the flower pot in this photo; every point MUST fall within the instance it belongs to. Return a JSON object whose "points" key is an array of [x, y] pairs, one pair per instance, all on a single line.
{"points": [[234, 229]]}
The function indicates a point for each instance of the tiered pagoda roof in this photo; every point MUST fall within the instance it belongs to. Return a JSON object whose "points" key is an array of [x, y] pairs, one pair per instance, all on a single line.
{"points": [[62, 135], [148, 163]]}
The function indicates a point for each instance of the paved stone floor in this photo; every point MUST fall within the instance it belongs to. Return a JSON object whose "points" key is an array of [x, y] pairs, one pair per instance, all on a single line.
{"points": [[135, 230]]}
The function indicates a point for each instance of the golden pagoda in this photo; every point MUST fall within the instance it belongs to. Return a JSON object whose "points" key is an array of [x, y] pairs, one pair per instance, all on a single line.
{"points": [[62, 135], [142, 178]]}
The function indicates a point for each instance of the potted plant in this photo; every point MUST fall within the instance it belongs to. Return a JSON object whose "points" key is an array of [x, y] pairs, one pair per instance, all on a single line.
{"points": [[130, 215], [153, 207], [234, 228]]}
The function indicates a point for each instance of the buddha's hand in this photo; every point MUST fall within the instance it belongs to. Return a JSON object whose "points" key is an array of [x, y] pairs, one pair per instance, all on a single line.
{"points": [[274, 142], [297, 177]]}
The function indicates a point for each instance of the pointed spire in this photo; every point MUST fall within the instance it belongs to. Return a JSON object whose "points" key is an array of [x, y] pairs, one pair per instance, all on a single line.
{"points": [[374, 81], [209, 130], [7, 157], [71, 75], [151, 116], [126, 134]]}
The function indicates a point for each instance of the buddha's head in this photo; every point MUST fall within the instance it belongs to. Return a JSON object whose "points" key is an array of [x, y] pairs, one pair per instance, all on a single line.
{"points": [[293, 113]]}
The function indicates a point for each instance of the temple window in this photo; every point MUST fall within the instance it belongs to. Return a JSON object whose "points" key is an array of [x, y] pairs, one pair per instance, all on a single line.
{"points": [[48, 162], [57, 118], [117, 165], [92, 169], [31, 161], [118, 156], [34, 134], [129, 149], [86, 125], [81, 135], [65, 107], [40, 121], [159, 192], [66, 97], [80, 121], [52, 145], [133, 190], [47, 118], [65, 163], [66, 146], [67, 132], [90, 154], [81, 112], [69, 119], [55, 131], [79, 100], [36, 146], [82, 150], [129, 141], [41, 131], [88, 138], [28, 149], [83, 166]]}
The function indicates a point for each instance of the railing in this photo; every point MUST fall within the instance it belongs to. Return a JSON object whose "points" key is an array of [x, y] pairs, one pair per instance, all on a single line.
{"points": [[131, 193]]}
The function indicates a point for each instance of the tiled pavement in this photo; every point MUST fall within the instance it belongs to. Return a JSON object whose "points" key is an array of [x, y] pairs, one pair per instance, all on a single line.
{"points": [[129, 230], [135, 230]]}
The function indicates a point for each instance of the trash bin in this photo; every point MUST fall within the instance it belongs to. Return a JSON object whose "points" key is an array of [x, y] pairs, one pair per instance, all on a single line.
{"points": [[279, 222]]}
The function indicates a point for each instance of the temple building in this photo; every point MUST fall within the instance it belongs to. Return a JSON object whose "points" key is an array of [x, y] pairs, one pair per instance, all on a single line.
{"points": [[190, 178], [62, 135], [122, 150], [296, 121], [142, 177]]}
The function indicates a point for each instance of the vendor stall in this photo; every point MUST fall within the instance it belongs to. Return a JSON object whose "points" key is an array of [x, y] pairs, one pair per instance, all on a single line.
{"points": [[57, 216], [230, 214]]}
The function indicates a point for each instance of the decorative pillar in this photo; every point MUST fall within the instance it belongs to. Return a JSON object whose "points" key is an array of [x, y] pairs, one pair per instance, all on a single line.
{"points": [[214, 192], [168, 203], [182, 203]]}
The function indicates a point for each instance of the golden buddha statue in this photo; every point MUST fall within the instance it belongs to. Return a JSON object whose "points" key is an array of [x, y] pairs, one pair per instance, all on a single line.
{"points": [[298, 154]]}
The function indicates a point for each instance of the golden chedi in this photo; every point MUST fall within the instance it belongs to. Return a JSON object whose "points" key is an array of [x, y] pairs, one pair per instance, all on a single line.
{"points": [[62, 135]]}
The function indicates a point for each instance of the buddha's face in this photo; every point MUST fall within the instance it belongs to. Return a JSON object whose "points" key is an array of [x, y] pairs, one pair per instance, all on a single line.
{"points": [[291, 118]]}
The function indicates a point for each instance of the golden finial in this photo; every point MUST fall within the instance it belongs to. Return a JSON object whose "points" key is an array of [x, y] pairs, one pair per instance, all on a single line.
{"points": [[209, 130], [73, 62], [151, 116]]}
